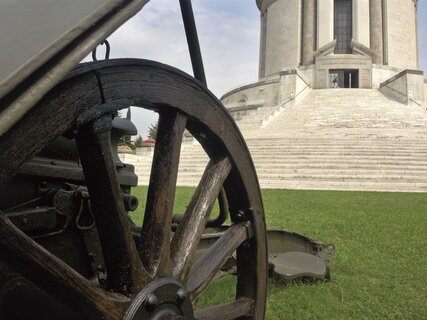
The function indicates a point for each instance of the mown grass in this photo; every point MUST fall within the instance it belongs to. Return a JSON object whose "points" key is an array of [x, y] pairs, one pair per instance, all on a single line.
{"points": [[381, 260]]}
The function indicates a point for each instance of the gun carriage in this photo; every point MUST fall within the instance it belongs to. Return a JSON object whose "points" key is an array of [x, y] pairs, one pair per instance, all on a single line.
{"points": [[68, 249]]}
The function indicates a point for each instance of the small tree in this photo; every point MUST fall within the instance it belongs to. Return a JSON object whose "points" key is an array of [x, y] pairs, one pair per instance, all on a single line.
{"points": [[126, 139], [152, 130], [138, 142]]}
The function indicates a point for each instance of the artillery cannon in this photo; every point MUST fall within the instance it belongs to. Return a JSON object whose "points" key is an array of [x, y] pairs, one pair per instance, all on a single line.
{"points": [[68, 249]]}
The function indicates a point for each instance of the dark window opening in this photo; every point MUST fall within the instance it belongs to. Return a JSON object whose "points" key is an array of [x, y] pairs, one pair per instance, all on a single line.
{"points": [[344, 79], [343, 25]]}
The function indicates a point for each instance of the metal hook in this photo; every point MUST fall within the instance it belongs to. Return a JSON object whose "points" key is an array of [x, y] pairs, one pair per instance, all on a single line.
{"points": [[79, 223], [107, 51]]}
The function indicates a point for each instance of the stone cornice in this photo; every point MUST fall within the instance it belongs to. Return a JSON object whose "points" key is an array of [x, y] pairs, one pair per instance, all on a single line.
{"points": [[400, 74], [359, 48], [265, 81], [326, 49], [264, 4], [244, 108]]}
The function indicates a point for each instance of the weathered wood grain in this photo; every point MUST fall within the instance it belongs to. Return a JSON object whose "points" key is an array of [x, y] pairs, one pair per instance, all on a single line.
{"points": [[51, 273], [187, 236], [124, 268], [205, 268], [164, 89], [156, 230], [238, 309]]}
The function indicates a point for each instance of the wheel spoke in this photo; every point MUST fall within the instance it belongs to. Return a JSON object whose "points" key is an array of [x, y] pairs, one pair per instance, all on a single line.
{"points": [[167, 91], [156, 231], [186, 238], [239, 308], [125, 272], [51, 273], [205, 268]]}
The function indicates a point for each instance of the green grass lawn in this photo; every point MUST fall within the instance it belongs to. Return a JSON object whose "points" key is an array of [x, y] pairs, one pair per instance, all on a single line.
{"points": [[381, 260]]}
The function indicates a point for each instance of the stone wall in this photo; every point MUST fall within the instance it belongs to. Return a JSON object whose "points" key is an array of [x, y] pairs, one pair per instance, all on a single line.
{"points": [[292, 83], [325, 22], [361, 22], [415, 88], [302, 84], [343, 61], [261, 98], [406, 87], [401, 40], [382, 73], [264, 92], [283, 36], [425, 93], [271, 91], [309, 72]]}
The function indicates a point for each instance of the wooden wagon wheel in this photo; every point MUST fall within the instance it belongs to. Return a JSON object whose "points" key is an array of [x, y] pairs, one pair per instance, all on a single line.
{"points": [[161, 278]]}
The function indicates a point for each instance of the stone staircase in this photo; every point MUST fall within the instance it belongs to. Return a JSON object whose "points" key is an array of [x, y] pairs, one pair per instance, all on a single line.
{"points": [[192, 163], [339, 139], [252, 119]]}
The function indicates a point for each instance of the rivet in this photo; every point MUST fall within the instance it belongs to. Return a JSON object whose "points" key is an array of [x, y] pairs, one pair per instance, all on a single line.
{"points": [[181, 295], [240, 214], [151, 302]]}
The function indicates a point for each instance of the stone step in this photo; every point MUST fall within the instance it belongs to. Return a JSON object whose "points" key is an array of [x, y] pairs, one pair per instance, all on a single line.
{"points": [[343, 171], [346, 186], [338, 144], [323, 149], [311, 159], [327, 185], [342, 177], [331, 139], [312, 183], [343, 165], [284, 171], [337, 150], [291, 164]]}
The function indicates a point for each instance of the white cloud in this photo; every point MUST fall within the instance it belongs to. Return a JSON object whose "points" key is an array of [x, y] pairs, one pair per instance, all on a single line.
{"points": [[229, 45], [228, 35]]}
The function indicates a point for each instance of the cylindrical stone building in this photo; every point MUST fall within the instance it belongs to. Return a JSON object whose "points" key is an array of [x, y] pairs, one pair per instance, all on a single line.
{"points": [[321, 44], [339, 38]]}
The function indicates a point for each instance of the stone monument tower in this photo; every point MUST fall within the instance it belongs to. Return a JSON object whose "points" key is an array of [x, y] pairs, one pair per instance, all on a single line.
{"points": [[321, 44]]}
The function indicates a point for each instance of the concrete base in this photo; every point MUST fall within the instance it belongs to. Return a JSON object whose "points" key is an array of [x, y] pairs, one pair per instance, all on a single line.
{"points": [[258, 101], [425, 93], [406, 87], [147, 151], [333, 139]]}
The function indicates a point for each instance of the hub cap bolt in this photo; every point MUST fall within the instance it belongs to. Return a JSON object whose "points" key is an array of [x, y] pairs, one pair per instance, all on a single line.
{"points": [[151, 302], [181, 295], [240, 215]]}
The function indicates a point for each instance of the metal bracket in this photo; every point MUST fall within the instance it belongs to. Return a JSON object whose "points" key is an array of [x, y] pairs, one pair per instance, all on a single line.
{"points": [[107, 51]]}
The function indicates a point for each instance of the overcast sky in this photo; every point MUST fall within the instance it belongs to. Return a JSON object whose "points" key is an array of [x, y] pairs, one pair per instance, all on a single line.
{"points": [[229, 38]]}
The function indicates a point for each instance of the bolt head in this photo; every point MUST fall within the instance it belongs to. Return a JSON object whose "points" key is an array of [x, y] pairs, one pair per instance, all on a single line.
{"points": [[240, 214], [151, 302], [181, 295]]}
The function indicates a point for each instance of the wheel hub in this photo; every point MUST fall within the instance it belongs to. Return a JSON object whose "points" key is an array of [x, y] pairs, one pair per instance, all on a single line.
{"points": [[163, 298]]}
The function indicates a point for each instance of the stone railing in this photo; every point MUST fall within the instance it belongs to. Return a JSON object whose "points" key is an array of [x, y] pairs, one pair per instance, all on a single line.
{"points": [[406, 87], [301, 89]]}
